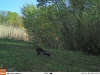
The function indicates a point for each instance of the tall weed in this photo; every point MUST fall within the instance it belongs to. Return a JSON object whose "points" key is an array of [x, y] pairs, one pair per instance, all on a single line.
{"points": [[12, 32]]}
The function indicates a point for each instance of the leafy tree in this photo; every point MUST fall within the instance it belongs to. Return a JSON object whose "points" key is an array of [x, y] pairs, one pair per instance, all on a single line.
{"points": [[71, 24], [40, 24], [14, 19], [3, 16], [10, 18]]}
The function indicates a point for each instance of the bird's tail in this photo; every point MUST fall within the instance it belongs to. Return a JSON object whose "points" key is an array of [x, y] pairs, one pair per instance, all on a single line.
{"points": [[47, 54]]}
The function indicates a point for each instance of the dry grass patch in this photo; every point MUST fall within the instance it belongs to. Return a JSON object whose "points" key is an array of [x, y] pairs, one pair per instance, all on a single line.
{"points": [[13, 32]]}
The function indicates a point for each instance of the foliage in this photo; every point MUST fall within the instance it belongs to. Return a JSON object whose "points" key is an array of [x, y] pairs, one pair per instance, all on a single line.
{"points": [[71, 24], [39, 26], [10, 18], [3, 16]]}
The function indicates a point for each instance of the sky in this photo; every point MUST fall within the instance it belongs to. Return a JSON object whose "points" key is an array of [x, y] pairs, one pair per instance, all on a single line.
{"points": [[15, 5]]}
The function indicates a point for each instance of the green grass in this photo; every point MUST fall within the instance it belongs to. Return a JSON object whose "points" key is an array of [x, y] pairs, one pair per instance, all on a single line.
{"points": [[21, 56]]}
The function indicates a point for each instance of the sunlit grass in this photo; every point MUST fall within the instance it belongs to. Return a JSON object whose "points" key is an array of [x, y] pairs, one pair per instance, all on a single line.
{"points": [[12, 32], [21, 56]]}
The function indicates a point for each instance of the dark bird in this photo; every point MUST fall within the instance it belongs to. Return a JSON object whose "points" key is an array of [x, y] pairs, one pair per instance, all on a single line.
{"points": [[41, 51]]}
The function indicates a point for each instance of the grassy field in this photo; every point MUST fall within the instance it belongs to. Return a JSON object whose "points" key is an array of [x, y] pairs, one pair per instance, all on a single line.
{"points": [[21, 56]]}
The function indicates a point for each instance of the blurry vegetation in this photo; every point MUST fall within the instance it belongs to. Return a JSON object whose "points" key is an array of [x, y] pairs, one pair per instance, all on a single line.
{"points": [[11, 26], [66, 24], [57, 26], [11, 19], [12, 32]]}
